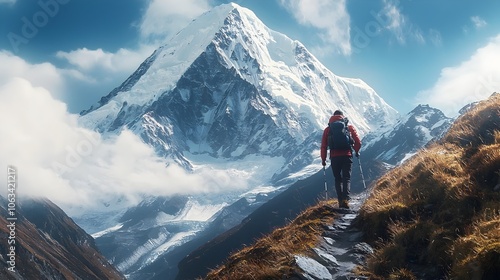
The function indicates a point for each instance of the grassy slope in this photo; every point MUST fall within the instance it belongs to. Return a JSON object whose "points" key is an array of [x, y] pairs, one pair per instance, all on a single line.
{"points": [[49, 245], [435, 217], [272, 256], [438, 215]]}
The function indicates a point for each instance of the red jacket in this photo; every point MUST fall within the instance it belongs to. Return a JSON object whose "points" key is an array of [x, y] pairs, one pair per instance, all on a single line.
{"points": [[336, 153]]}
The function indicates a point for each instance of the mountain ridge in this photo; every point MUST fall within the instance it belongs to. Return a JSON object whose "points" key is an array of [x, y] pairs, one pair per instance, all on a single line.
{"points": [[250, 55], [393, 145], [49, 245]]}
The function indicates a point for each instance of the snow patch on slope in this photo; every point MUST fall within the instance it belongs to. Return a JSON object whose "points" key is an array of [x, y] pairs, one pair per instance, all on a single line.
{"points": [[176, 240], [106, 231], [194, 211], [144, 249]]}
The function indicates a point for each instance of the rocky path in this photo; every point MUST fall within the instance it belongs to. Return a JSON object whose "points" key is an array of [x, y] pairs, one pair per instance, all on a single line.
{"points": [[340, 250]]}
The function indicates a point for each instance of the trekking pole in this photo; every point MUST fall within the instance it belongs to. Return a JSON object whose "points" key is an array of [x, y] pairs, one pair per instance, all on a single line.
{"points": [[326, 185], [361, 171]]}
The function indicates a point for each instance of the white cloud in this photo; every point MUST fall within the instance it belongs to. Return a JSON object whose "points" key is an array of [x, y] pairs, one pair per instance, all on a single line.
{"points": [[478, 22], [123, 60], [331, 17], [474, 79], [74, 167], [82, 82], [44, 74], [399, 24], [92, 74], [397, 21], [165, 17]]}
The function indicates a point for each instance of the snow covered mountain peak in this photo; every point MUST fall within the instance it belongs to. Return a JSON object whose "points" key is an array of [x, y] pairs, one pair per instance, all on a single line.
{"points": [[228, 93], [228, 86], [409, 134], [269, 60], [160, 72]]}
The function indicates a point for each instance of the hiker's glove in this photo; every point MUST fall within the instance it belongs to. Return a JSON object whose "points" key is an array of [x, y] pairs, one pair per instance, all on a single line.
{"points": [[323, 163], [357, 154]]}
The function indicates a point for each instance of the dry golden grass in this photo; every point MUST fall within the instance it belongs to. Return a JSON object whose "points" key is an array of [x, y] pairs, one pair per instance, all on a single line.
{"points": [[272, 256], [485, 162], [477, 126], [478, 251], [429, 180], [402, 274], [438, 213]]}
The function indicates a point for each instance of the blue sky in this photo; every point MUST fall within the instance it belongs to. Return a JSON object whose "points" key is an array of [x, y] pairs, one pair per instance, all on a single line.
{"points": [[443, 53]]}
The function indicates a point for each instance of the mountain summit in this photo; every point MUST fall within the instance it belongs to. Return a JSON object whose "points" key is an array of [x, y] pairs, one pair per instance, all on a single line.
{"points": [[228, 86]]}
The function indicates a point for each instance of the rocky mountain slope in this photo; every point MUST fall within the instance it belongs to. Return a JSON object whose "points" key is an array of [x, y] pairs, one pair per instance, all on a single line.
{"points": [[48, 245]]}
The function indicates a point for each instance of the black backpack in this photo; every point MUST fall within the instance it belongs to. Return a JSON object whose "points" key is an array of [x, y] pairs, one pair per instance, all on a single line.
{"points": [[339, 137]]}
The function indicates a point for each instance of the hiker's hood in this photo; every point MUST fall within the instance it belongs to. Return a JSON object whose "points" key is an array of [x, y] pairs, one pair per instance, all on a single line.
{"points": [[335, 118]]}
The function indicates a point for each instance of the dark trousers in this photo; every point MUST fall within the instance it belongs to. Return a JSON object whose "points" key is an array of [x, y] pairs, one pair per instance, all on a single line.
{"points": [[341, 167]]}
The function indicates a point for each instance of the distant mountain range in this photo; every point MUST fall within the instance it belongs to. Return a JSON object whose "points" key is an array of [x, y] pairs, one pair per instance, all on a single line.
{"points": [[383, 150], [391, 146]]}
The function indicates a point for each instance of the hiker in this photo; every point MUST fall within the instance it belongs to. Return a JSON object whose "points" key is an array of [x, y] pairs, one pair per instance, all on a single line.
{"points": [[340, 137]]}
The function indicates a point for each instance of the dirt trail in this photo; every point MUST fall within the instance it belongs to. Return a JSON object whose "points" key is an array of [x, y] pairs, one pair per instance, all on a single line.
{"points": [[341, 248]]}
